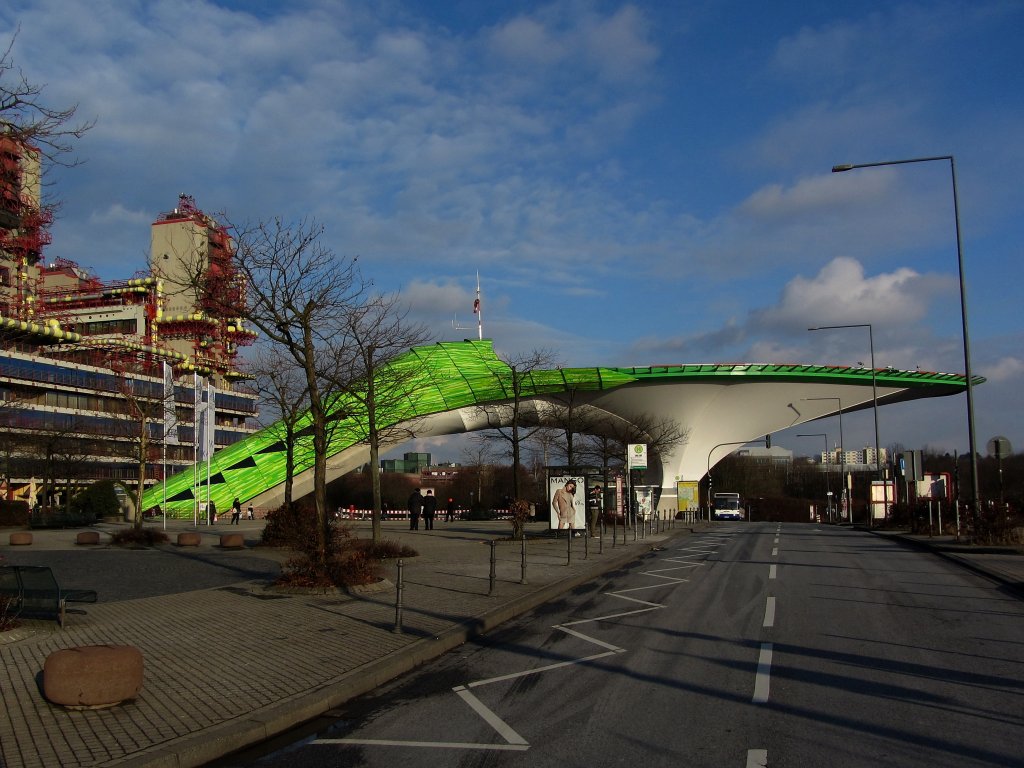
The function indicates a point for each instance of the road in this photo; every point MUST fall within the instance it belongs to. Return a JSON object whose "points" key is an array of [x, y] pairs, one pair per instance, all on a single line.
{"points": [[748, 645]]}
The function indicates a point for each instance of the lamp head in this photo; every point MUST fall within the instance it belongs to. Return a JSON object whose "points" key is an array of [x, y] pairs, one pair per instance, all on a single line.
{"points": [[841, 168]]}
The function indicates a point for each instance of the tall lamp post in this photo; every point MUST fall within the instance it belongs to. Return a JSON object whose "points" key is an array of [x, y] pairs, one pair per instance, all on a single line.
{"points": [[842, 450], [874, 403], [828, 490], [975, 496]]}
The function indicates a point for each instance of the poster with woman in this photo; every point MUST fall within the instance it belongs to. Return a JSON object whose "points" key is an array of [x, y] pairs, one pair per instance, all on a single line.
{"points": [[568, 501]]}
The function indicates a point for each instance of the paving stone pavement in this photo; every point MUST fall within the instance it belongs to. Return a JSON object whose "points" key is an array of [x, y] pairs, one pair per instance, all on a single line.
{"points": [[229, 662]]}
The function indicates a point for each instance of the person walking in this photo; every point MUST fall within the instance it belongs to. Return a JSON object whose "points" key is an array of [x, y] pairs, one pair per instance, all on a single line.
{"points": [[449, 510], [236, 511], [251, 517], [415, 507], [429, 510]]}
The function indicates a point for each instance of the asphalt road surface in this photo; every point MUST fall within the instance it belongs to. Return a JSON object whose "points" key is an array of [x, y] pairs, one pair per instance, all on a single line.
{"points": [[752, 644]]}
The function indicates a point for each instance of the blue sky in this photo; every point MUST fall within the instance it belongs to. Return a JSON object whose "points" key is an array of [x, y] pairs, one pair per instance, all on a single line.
{"points": [[636, 183]]}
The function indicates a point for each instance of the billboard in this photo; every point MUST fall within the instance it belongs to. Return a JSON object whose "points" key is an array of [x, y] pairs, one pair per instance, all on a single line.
{"points": [[687, 496], [567, 501]]}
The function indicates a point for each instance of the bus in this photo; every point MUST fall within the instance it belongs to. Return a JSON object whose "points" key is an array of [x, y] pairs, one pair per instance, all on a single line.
{"points": [[727, 506]]}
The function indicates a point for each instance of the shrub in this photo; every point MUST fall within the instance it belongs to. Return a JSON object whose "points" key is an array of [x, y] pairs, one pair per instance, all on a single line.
{"points": [[291, 526], [383, 550], [138, 537], [350, 568], [520, 511], [97, 501], [14, 513], [353, 562]]}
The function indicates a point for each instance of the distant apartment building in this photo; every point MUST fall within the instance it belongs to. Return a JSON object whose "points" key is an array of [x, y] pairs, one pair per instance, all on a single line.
{"points": [[74, 349], [854, 458]]}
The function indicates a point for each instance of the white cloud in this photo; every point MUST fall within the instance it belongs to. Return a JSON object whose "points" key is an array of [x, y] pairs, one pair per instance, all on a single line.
{"points": [[841, 294], [1004, 370]]}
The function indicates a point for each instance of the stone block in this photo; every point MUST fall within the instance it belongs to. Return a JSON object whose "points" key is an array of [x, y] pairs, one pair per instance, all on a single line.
{"points": [[93, 676], [87, 537], [189, 539], [21, 538], [232, 541]]}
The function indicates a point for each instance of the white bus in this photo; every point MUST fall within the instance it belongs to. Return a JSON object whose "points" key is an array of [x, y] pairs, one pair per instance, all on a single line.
{"points": [[728, 507]]}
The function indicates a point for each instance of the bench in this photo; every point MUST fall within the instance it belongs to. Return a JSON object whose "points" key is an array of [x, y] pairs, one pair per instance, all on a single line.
{"points": [[33, 593]]}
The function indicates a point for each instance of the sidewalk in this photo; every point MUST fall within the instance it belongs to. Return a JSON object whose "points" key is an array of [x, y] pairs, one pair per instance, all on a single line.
{"points": [[229, 663]]}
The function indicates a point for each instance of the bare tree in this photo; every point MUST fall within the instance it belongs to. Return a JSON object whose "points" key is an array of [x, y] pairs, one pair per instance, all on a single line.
{"points": [[300, 295], [140, 418], [610, 435], [508, 420], [376, 334], [28, 120], [477, 461], [282, 385], [571, 417]]}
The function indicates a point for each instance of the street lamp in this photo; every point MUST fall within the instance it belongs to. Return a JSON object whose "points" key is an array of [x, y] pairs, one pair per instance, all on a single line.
{"points": [[842, 451], [874, 402], [828, 490], [963, 309]]}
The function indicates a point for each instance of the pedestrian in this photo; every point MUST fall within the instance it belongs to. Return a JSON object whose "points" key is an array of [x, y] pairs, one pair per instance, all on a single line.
{"points": [[429, 509], [251, 516], [236, 511], [212, 510], [449, 510], [415, 507]]}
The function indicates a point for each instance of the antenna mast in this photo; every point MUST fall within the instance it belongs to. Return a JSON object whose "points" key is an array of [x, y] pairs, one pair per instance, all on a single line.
{"points": [[477, 310]]}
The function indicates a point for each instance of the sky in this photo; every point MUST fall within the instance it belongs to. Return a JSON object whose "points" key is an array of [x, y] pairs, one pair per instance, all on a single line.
{"points": [[642, 183]]}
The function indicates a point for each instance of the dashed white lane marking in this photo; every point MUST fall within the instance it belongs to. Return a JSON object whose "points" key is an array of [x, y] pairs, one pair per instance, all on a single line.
{"points": [[773, 571], [762, 680], [757, 758], [769, 613], [775, 552]]}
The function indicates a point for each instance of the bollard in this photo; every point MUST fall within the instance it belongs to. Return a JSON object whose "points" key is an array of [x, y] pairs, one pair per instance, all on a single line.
{"points": [[522, 568], [490, 590], [398, 599], [586, 544], [568, 551]]}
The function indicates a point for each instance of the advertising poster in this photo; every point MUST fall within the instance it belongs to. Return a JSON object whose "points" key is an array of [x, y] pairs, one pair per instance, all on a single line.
{"points": [[645, 501], [687, 496], [567, 501]]}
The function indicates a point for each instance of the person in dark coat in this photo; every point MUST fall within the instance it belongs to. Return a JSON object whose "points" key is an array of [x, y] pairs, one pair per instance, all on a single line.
{"points": [[449, 510], [415, 507], [429, 510], [236, 511]]}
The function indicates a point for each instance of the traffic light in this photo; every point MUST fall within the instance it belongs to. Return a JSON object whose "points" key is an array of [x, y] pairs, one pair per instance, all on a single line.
{"points": [[767, 441]]}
